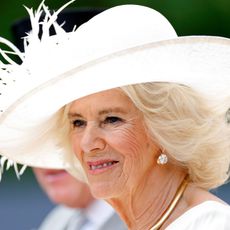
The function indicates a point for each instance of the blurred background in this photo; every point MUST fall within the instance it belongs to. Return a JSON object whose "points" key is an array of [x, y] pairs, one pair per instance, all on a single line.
{"points": [[210, 17], [22, 203]]}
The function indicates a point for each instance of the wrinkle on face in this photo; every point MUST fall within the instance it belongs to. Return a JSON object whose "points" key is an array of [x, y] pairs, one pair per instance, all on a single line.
{"points": [[126, 141]]}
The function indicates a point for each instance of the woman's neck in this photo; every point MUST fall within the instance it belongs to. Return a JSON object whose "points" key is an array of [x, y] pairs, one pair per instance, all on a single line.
{"points": [[142, 206]]}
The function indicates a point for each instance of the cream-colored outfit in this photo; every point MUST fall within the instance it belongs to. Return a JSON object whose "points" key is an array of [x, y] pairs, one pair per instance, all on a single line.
{"points": [[209, 215]]}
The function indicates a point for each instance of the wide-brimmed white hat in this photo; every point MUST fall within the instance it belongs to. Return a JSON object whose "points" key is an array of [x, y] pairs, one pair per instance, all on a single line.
{"points": [[123, 45]]}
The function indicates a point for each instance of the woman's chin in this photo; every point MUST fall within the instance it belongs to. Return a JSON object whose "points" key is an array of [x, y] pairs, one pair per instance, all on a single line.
{"points": [[103, 190], [106, 183]]}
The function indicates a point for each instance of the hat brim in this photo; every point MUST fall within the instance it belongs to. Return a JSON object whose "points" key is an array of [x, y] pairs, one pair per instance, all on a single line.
{"points": [[200, 62]]}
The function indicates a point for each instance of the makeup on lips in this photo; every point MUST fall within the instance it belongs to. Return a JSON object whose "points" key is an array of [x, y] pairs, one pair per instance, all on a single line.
{"points": [[97, 167]]}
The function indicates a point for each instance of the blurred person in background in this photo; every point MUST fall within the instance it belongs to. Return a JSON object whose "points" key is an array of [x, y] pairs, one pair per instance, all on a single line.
{"points": [[76, 209]]}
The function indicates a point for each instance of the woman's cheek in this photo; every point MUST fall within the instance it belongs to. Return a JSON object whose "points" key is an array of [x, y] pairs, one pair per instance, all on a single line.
{"points": [[125, 141]]}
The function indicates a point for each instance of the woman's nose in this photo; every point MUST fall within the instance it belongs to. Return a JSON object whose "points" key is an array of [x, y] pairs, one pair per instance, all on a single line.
{"points": [[92, 139]]}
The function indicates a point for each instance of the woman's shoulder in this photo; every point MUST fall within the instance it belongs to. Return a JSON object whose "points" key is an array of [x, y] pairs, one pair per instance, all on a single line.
{"points": [[210, 215]]}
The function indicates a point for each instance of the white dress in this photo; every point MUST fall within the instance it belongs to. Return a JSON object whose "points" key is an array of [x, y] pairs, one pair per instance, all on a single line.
{"points": [[209, 215]]}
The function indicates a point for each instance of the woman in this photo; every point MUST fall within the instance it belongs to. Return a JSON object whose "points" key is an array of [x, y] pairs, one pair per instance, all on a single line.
{"points": [[137, 155], [128, 106]]}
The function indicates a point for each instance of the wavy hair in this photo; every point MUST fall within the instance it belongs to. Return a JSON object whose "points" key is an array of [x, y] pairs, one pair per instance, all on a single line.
{"points": [[189, 127]]}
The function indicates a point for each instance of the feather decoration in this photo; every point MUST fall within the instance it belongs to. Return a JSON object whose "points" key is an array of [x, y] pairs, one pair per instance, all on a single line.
{"points": [[9, 163], [41, 20], [14, 49]]}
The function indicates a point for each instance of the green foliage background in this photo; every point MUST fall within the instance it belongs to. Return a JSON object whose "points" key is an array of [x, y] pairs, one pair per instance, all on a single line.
{"points": [[189, 17]]}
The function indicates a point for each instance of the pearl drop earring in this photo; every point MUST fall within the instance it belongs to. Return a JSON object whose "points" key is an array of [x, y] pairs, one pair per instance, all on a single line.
{"points": [[162, 159]]}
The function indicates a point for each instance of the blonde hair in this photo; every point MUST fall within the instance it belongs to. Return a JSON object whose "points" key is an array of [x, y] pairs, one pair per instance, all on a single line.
{"points": [[189, 127]]}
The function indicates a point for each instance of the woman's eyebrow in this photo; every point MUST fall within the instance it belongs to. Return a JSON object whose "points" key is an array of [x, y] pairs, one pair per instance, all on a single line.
{"points": [[73, 115], [112, 110]]}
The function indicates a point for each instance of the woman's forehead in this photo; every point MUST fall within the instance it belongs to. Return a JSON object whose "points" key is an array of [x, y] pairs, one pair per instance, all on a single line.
{"points": [[113, 100], [107, 96]]}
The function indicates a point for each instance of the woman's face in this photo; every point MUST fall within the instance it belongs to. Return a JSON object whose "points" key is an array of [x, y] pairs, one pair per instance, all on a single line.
{"points": [[110, 140]]}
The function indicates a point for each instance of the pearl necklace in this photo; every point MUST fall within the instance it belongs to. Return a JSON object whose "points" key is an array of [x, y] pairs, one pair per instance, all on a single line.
{"points": [[172, 205]]}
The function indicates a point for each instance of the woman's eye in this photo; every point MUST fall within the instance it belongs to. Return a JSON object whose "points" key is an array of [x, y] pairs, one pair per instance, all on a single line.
{"points": [[112, 120], [78, 123]]}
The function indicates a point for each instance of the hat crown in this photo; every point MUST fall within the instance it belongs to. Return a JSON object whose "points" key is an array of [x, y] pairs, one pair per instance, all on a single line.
{"points": [[115, 29]]}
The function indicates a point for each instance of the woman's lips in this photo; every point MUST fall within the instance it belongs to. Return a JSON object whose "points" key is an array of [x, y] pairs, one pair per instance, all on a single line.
{"points": [[97, 167]]}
